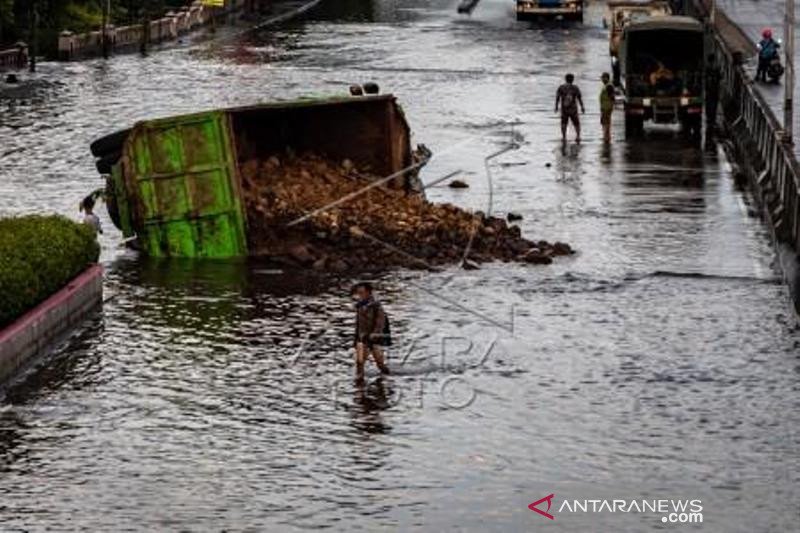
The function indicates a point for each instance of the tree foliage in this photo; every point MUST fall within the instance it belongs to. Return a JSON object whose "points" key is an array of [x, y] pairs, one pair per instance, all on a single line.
{"points": [[74, 15]]}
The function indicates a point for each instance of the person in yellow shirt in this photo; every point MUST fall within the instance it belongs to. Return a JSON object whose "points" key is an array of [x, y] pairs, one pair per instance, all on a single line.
{"points": [[607, 95]]}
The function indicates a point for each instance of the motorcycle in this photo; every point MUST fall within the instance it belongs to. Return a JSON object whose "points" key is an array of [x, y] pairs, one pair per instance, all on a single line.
{"points": [[775, 69]]}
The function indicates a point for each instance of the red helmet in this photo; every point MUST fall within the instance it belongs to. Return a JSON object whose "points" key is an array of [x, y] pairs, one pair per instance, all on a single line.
{"points": [[767, 33]]}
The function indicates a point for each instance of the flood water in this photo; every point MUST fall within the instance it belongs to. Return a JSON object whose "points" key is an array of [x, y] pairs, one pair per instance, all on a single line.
{"points": [[659, 362]]}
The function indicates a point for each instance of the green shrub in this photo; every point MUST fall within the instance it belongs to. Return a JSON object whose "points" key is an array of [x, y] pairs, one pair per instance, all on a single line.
{"points": [[38, 256]]}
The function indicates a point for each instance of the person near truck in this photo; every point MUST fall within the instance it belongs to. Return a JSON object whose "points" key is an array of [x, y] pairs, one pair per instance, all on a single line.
{"points": [[713, 77], [607, 96], [89, 218], [568, 98], [767, 51], [371, 333], [661, 77]]}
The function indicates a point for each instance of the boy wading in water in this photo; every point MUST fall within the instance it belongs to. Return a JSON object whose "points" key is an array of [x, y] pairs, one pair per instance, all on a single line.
{"points": [[372, 329]]}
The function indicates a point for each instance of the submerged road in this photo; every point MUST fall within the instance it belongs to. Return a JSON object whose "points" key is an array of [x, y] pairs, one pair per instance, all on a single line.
{"points": [[660, 362]]}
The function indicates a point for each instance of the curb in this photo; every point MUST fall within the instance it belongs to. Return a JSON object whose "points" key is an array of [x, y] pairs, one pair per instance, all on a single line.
{"points": [[32, 334]]}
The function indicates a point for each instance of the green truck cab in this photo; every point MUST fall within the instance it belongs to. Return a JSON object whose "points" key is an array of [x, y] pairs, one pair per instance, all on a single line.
{"points": [[662, 67], [175, 183]]}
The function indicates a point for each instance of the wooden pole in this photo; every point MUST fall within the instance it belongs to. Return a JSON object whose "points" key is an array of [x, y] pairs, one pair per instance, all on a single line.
{"points": [[104, 33], [145, 29], [34, 37], [788, 86]]}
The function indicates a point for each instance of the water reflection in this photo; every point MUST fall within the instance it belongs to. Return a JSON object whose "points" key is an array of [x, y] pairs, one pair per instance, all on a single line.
{"points": [[370, 400]]}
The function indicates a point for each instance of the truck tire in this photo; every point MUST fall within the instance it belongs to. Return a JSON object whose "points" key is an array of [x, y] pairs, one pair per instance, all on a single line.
{"points": [[109, 143], [107, 161], [692, 126], [634, 126]]}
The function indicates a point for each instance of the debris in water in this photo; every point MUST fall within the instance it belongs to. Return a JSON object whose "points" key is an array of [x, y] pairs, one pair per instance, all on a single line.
{"points": [[467, 6], [309, 211]]}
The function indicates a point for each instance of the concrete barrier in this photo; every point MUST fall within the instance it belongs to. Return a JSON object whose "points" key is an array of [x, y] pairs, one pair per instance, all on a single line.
{"points": [[30, 336], [126, 38], [15, 58]]}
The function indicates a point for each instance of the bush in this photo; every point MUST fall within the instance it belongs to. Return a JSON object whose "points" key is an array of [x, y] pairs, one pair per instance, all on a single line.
{"points": [[38, 256]]}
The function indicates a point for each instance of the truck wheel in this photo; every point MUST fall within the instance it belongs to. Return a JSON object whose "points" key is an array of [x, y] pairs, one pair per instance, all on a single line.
{"points": [[634, 126], [108, 160], [693, 126], [109, 143]]}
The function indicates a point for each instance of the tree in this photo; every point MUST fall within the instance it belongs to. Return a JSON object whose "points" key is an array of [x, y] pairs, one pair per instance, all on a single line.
{"points": [[6, 19], [75, 15]]}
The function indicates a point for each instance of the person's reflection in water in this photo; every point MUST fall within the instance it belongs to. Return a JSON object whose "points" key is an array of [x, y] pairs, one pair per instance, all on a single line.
{"points": [[606, 154], [710, 144], [570, 163], [371, 399]]}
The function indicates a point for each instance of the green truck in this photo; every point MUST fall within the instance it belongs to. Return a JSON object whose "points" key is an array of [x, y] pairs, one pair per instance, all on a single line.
{"points": [[662, 67], [175, 183]]}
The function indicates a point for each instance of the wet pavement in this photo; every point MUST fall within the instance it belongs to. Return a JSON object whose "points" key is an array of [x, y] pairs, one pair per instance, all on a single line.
{"points": [[660, 362]]}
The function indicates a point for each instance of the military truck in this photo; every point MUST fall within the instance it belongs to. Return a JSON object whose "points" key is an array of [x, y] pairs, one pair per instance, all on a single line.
{"points": [[620, 13], [662, 65]]}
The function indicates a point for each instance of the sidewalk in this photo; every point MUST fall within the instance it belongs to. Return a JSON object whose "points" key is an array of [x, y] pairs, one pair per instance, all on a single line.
{"points": [[752, 16]]}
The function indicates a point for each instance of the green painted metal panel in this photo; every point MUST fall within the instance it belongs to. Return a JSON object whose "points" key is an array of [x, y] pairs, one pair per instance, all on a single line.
{"points": [[183, 187], [121, 199]]}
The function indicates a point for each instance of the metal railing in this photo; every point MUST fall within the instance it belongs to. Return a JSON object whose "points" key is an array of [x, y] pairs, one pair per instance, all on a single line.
{"points": [[778, 171], [14, 58]]}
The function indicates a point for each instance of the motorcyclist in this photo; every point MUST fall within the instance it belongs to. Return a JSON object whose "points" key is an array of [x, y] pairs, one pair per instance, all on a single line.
{"points": [[767, 51]]}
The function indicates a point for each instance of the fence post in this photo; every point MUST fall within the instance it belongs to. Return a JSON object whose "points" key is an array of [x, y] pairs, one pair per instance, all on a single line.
{"points": [[34, 37]]}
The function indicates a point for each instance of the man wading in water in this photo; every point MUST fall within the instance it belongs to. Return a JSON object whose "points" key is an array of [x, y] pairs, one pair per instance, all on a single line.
{"points": [[569, 96], [372, 329]]}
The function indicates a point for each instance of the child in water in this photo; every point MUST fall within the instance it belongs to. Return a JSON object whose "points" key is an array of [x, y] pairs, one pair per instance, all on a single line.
{"points": [[372, 329], [89, 218]]}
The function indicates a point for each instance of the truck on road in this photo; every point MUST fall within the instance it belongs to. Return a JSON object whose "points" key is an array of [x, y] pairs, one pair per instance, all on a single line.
{"points": [[662, 68], [550, 9], [620, 13]]}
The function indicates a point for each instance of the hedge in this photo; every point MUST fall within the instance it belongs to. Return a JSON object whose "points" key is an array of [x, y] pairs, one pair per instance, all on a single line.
{"points": [[38, 256]]}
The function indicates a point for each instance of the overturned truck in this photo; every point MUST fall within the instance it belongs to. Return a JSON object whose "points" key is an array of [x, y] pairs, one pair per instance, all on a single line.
{"points": [[329, 183]]}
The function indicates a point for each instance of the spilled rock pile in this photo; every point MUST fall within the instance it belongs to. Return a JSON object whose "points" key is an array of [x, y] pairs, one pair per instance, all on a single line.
{"points": [[377, 228]]}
